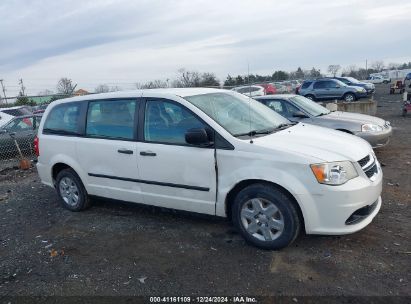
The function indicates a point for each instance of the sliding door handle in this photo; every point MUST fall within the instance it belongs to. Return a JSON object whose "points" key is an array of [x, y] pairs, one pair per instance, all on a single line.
{"points": [[147, 153], [125, 151]]}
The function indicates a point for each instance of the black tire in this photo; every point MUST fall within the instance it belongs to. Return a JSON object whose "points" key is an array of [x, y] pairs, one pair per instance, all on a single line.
{"points": [[83, 201], [404, 112], [385, 81], [291, 220], [349, 97], [310, 96]]}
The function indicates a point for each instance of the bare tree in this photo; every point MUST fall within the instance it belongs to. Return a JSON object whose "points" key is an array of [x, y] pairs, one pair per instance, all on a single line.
{"points": [[65, 86], [333, 69], [378, 65], [394, 66], [187, 79], [102, 88], [152, 84], [115, 89]]}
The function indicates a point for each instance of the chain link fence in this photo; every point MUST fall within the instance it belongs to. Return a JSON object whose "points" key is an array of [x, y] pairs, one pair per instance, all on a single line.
{"points": [[14, 146]]}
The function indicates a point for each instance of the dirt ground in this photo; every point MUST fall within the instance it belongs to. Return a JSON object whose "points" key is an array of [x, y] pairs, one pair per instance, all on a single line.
{"points": [[124, 249]]}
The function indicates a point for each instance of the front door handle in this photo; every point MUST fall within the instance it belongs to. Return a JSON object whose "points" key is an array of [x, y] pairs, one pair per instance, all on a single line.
{"points": [[125, 151], [147, 153]]}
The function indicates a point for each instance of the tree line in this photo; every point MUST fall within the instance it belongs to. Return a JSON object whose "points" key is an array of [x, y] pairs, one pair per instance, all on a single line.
{"points": [[189, 78]]}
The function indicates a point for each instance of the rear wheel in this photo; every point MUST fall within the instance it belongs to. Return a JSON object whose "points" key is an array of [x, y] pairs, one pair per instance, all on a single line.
{"points": [[265, 216], [71, 190], [311, 97], [349, 97]]}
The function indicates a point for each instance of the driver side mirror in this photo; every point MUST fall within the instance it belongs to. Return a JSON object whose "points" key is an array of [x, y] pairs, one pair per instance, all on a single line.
{"points": [[337, 86], [3, 131], [300, 114], [197, 137]]}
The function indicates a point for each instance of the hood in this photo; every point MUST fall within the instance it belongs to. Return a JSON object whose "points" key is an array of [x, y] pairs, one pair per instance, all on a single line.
{"points": [[355, 87], [317, 142], [355, 118]]}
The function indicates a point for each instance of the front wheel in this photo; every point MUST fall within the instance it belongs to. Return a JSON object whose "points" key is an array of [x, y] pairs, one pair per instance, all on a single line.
{"points": [[349, 97], [71, 190], [265, 216]]}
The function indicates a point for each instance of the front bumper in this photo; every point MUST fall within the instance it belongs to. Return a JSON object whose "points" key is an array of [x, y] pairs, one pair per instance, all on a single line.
{"points": [[330, 211], [377, 139], [361, 94]]}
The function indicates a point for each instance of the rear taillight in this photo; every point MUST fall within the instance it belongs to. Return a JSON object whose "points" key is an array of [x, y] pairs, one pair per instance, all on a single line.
{"points": [[36, 146]]}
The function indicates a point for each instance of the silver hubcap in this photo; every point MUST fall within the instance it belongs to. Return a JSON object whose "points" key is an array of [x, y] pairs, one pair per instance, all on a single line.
{"points": [[262, 219], [69, 191], [310, 97], [349, 98]]}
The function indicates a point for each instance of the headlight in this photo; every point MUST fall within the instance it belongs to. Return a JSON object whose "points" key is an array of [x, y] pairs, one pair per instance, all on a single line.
{"points": [[335, 173], [371, 128], [360, 90]]}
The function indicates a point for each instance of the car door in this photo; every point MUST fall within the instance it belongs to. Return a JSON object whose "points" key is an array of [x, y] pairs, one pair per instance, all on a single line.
{"points": [[173, 173], [333, 89], [108, 151], [320, 89]]}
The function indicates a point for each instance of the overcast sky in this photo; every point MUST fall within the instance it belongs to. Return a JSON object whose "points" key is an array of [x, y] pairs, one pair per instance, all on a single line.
{"points": [[120, 42]]}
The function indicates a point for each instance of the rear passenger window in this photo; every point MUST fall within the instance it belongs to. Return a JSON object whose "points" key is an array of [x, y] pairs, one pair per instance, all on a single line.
{"points": [[111, 119], [306, 84], [320, 85], [63, 119]]}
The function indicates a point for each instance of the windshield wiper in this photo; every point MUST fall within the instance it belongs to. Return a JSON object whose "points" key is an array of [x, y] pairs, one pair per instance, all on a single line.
{"points": [[255, 132], [286, 125]]}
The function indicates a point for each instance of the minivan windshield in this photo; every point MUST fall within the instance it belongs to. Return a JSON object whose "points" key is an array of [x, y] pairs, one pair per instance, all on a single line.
{"points": [[309, 106], [238, 114]]}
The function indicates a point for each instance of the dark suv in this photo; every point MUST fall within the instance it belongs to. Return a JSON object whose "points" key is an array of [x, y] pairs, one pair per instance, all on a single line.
{"points": [[328, 89]]}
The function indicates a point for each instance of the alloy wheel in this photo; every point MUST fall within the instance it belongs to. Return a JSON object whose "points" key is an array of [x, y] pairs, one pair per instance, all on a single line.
{"points": [[69, 191]]}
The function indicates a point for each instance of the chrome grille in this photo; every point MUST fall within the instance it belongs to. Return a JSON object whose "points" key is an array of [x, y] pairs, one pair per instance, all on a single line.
{"points": [[387, 125], [369, 165], [364, 161]]}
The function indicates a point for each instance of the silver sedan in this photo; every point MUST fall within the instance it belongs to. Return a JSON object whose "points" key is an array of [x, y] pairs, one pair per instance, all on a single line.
{"points": [[298, 108]]}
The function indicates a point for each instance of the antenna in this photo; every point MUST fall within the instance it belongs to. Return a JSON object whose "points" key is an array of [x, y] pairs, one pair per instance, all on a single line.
{"points": [[249, 101]]}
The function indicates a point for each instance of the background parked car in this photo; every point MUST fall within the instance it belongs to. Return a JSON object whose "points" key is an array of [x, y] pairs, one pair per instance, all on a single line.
{"points": [[7, 114], [269, 89], [351, 81], [378, 79], [23, 129], [327, 89], [281, 89], [40, 108], [251, 91], [298, 108]]}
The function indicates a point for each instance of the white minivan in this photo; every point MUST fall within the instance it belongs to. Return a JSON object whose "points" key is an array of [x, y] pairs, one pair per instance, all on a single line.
{"points": [[210, 151]]}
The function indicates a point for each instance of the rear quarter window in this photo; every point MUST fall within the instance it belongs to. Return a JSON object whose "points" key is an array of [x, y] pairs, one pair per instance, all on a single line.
{"points": [[306, 84], [63, 119]]}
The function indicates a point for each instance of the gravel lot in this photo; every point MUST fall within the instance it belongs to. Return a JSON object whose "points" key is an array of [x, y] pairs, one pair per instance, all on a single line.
{"points": [[123, 249]]}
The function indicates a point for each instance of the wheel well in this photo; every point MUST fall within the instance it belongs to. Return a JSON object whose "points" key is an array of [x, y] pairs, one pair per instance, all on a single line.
{"points": [[344, 130], [57, 168], [245, 183], [350, 93]]}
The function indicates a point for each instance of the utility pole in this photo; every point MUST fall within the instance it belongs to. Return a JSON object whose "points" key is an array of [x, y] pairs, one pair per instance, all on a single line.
{"points": [[4, 90], [22, 87]]}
